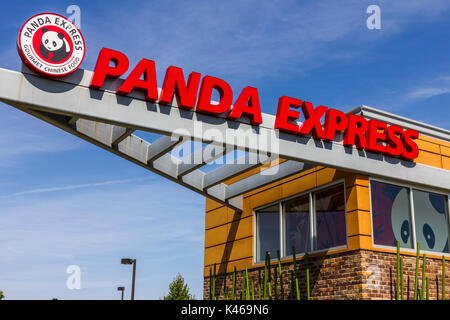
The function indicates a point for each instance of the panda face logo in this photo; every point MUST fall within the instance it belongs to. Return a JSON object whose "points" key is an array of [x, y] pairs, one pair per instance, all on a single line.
{"points": [[430, 220], [54, 43], [51, 45]]}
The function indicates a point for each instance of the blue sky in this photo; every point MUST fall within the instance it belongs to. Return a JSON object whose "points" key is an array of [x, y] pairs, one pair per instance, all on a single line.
{"points": [[64, 202]]}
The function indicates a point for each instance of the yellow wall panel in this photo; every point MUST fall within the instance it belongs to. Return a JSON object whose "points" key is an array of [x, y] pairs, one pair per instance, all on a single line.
{"points": [[239, 249], [266, 197], [217, 235], [211, 205], [427, 146], [229, 268], [299, 185], [239, 264], [436, 141], [446, 163], [358, 198], [359, 223], [359, 242], [215, 254], [428, 158], [328, 175], [445, 151], [216, 217], [244, 227]]}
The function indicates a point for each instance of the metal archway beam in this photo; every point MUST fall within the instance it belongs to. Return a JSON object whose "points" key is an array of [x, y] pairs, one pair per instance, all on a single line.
{"points": [[108, 120]]}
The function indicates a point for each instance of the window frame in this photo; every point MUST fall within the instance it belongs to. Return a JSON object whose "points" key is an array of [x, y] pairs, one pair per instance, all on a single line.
{"points": [[410, 188], [312, 222]]}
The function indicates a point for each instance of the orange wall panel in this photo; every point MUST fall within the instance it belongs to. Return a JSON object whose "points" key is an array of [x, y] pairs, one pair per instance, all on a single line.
{"points": [[215, 254], [217, 235], [244, 227], [239, 249], [359, 223], [446, 163], [428, 158], [216, 217], [298, 185], [358, 198], [427, 146]]}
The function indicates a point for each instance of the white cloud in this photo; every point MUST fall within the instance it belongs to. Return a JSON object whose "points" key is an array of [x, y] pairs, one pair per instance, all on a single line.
{"points": [[425, 93], [72, 187]]}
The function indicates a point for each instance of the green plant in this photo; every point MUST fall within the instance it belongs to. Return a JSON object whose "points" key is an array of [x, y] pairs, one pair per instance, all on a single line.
{"points": [[214, 284], [247, 288], [178, 290], [280, 275], [265, 278], [401, 279], [397, 294], [416, 284], [269, 277], [1, 295], [308, 294], [443, 277], [294, 260], [424, 263], [234, 285]]}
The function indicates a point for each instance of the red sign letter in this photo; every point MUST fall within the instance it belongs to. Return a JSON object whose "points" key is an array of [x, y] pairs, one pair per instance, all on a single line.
{"points": [[395, 145], [335, 120], [373, 136], [174, 84], [312, 120], [103, 70], [284, 114], [147, 69], [204, 99], [357, 127], [411, 149], [247, 103]]}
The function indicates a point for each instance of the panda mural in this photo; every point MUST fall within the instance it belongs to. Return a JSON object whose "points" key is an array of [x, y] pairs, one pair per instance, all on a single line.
{"points": [[392, 218], [54, 46], [431, 222]]}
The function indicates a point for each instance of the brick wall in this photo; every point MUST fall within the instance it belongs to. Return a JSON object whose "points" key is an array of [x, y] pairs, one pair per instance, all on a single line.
{"points": [[357, 274], [336, 276], [381, 267]]}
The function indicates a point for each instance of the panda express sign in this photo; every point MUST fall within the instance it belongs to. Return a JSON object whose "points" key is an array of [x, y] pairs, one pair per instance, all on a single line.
{"points": [[52, 46]]}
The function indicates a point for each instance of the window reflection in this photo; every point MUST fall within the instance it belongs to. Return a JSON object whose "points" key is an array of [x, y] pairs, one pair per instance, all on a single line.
{"points": [[297, 225], [391, 215], [268, 229], [330, 218], [430, 215]]}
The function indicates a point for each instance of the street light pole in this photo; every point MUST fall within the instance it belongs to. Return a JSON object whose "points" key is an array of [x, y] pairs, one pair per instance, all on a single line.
{"points": [[133, 262], [121, 289], [134, 279]]}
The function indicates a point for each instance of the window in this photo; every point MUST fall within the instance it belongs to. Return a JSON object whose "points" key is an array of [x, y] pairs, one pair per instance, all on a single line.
{"points": [[391, 215], [297, 225], [431, 220], [330, 218], [268, 237], [393, 212], [306, 232]]}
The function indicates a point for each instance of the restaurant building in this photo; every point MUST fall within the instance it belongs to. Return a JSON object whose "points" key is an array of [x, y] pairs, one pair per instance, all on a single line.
{"points": [[348, 222]]}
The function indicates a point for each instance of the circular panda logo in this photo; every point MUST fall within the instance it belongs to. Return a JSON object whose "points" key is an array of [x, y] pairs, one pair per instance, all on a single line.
{"points": [[51, 45]]}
